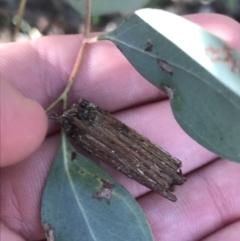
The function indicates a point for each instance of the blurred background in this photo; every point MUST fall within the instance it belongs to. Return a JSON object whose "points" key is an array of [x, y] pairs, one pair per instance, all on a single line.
{"points": [[52, 17]]}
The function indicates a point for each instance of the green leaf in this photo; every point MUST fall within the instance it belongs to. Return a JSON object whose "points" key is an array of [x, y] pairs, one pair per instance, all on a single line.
{"points": [[199, 72], [82, 202], [100, 7]]}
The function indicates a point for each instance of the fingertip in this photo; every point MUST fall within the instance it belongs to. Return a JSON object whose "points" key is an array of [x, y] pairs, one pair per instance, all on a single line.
{"points": [[23, 125]]}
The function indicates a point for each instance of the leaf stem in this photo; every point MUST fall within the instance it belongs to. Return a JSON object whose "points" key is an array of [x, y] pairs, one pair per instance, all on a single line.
{"points": [[63, 96], [72, 77], [87, 24]]}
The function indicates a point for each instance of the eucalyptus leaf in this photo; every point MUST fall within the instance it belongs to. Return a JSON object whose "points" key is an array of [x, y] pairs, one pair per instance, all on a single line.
{"points": [[82, 202], [199, 72], [100, 7]]}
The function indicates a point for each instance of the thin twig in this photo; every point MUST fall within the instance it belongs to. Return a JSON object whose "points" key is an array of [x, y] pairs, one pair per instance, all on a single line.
{"points": [[87, 24], [63, 96], [72, 77], [19, 18]]}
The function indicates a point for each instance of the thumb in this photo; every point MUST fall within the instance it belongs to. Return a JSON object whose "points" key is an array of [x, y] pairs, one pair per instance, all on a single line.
{"points": [[23, 125]]}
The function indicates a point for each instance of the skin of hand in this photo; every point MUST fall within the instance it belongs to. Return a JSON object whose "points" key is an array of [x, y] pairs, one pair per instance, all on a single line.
{"points": [[34, 73]]}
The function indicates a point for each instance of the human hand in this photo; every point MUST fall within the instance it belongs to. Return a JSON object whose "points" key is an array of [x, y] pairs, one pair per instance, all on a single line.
{"points": [[208, 203]]}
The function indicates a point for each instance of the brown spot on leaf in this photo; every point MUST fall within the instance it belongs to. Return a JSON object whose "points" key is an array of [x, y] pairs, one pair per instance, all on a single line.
{"points": [[167, 90], [48, 232], [165, 66], [148, 47], [224, 55], [73, 155], [107, 184], [105, 192]]}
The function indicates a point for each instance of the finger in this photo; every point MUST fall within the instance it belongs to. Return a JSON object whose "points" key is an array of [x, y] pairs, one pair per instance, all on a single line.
{"points": [[231, 233], [105, 77], [23, 125], [21, 191], [206, 203]]}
